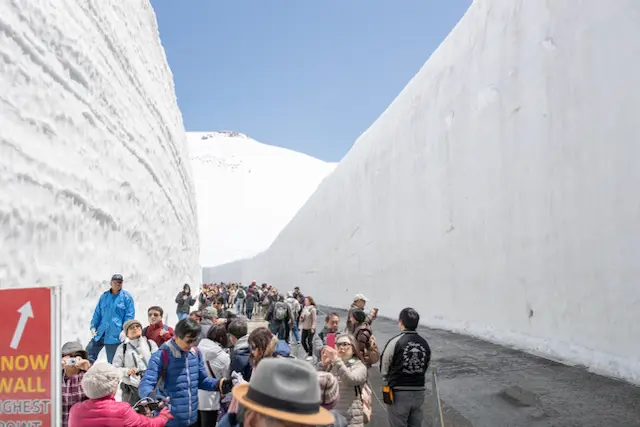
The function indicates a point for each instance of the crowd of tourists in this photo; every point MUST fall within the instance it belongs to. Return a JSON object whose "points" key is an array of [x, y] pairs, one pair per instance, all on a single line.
{"points": [[208, 370]]}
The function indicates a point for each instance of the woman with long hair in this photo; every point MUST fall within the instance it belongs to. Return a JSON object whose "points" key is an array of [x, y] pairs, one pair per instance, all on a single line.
{"points": [[263, 344], [345, 362], [308, 320]]}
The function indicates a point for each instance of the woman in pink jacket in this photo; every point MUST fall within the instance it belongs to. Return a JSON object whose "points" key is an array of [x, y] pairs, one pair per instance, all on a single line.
{"points": [[100, 384]]}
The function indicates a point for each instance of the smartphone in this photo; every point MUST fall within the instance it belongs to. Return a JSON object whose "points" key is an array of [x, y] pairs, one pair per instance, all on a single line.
{"points": [[331, 340]]}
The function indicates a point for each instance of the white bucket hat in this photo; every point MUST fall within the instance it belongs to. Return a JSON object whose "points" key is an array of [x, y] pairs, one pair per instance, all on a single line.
{"points": [[360, 297]]}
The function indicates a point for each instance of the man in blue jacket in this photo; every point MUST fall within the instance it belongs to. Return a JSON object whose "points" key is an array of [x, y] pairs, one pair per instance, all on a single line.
{"points": [[115, 307], [177, 371]]}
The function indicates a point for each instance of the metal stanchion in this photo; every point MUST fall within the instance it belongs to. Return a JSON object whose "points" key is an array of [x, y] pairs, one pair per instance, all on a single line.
{"points": [[438, 418]]}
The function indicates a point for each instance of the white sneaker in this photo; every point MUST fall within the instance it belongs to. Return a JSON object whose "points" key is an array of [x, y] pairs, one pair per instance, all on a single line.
{"points": [[309, 359]]}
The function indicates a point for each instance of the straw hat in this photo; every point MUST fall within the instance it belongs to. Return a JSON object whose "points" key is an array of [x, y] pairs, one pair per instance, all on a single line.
{"points": [[284, 389]]}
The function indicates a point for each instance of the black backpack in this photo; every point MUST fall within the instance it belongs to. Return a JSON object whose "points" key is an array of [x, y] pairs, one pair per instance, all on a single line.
{"points": [[124, 352]]}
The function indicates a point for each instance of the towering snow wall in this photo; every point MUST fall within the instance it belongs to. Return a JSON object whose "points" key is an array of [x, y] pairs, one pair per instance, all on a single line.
{"points": [[94, 172], [497, 194]]}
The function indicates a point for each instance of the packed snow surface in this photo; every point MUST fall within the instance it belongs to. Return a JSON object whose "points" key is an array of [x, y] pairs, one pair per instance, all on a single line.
{"points": [[497, 194], [247, 192], [94, 172]]}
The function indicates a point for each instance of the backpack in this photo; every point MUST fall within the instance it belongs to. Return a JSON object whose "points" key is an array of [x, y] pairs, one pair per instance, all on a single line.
{"points": [[241, 294], [281, 311], [282, 349], [124, 349], [367, 344], [292, 302], [365, 396], [144, 332]]}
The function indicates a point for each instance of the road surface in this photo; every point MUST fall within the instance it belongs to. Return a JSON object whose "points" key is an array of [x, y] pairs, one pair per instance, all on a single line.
{"points": [[483, 384]]}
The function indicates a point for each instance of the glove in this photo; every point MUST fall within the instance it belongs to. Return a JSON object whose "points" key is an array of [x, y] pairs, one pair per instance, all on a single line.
{"points": [[165, 413], [226, 386], [94, 332]]}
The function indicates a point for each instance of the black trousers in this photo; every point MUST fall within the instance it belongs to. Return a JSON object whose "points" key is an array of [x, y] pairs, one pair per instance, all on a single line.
{"points": [[206, 419], [307, 341]]}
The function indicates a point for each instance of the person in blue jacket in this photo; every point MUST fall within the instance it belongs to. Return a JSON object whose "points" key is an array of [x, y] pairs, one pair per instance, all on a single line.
{"points": [[176, 371], [115, 307]]}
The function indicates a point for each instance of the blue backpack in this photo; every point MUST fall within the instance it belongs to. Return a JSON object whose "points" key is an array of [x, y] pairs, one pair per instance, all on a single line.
{"points": [[282, 349]]}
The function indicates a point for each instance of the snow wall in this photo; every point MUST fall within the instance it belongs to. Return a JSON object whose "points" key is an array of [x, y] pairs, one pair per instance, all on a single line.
{"points": [[94, 173], [496, 195], [228, 273]]}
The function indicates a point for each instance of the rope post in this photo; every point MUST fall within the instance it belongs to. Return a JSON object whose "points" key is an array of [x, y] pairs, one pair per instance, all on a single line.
{"points": [[438, 418]]}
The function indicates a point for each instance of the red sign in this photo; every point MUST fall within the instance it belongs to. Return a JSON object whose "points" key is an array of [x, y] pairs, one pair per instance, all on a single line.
{"points": [[26, 358]]}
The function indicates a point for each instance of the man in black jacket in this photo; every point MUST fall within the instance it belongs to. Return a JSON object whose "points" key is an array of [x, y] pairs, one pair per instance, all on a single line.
{"points": [[403, 365]]}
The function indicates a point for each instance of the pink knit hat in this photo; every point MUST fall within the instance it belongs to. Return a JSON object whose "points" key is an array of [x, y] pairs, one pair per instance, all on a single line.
{"points": [[328, 389]]}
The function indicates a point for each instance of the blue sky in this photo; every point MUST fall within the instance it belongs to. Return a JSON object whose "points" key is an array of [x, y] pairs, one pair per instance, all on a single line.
{"points": [[301, 74]]}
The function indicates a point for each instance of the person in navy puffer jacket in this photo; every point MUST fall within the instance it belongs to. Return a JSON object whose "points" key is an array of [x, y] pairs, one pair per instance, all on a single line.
{"points": [[114, 309], [177, 371]]}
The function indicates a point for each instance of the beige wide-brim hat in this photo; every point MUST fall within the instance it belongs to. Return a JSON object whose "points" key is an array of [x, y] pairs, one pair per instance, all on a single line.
{"points": [[321, 418], [289, 385]]}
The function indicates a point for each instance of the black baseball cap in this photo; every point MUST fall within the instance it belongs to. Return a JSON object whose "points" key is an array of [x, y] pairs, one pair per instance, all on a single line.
{"points": [[117, 277]]}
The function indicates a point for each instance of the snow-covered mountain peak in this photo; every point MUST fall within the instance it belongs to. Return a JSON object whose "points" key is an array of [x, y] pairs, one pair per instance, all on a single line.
{"points": [[247, 192], [228, 133]]}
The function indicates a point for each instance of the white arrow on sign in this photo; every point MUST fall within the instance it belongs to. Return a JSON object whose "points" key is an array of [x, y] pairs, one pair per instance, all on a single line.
{"points": [[26, 312]]}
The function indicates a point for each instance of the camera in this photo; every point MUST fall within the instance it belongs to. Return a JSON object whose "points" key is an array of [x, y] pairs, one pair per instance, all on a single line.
{"points": [[148, 406], [71, 362]]}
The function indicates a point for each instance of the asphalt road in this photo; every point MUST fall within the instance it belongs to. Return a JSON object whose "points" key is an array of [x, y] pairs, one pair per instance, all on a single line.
{"points": [[484, 384]]}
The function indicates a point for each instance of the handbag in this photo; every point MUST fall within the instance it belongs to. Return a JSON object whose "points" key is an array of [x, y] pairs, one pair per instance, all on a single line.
{"points": [[365, 396]]}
